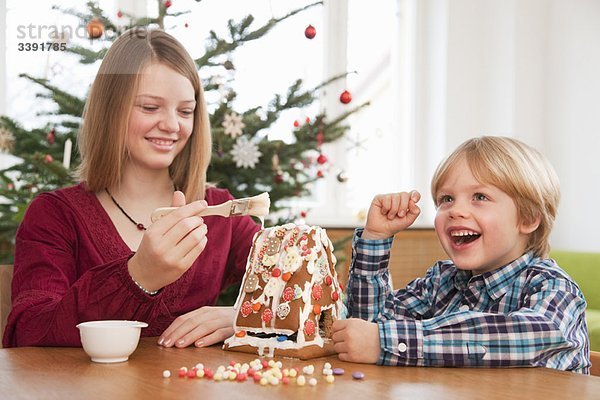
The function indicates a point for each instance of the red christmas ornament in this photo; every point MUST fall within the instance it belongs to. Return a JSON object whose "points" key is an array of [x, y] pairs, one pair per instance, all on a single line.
{"points": [[119, 14], [186, 25], [310, 32], [51, 136], [48, 158], [296, 124], [320, 174], [322, 159], [278, 178], [307, 120], [345, 97], [168, 4], [10, 186], [319, 138], [303, 214]]}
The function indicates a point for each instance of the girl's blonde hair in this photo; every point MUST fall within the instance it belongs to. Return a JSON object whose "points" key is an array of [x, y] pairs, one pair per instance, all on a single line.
{"points": [[102, 136], [518, 170]]}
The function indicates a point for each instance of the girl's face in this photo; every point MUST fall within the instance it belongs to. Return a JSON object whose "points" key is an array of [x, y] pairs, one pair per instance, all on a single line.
{"points": [[162, 118], [477, 224]]}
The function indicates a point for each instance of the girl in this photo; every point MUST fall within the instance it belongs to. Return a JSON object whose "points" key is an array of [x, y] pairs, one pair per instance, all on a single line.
{"points": [[89, 252]]}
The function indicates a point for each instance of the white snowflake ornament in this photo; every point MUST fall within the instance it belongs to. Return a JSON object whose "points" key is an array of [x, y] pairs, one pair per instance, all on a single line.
{"points": [[233, 125], [245, 153]]}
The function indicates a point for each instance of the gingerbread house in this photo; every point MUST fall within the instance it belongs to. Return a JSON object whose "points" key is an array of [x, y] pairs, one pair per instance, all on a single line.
{"points": [[290, 294]]}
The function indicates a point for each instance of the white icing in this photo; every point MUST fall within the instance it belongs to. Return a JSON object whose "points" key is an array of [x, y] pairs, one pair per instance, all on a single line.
{"points": [[271, 343]]}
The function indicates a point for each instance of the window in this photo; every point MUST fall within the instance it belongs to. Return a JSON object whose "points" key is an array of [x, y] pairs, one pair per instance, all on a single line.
{"points": [[376, 154]]}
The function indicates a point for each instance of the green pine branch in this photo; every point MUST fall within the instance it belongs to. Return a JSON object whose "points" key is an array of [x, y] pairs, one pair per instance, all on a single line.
{"points": [[238, 36], [67, 104]]}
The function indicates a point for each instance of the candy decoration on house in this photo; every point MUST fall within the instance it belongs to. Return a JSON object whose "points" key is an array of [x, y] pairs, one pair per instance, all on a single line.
{"points": [[290, 295], [310, 32], [345, 97], [95, 28], [245, 153]]}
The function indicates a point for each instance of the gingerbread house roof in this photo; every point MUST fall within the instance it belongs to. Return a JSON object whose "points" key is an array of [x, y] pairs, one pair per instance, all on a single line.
{"points": [[290, 293]]}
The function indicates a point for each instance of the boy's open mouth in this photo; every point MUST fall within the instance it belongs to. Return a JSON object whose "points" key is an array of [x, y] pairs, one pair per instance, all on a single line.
{"points": [[464, 237]]}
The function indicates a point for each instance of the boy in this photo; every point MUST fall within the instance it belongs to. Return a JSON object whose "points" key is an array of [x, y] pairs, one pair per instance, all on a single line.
{"points": [[498, 301]]}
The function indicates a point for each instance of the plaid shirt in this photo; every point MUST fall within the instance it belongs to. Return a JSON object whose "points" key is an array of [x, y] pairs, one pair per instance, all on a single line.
{"points": [[527, 313]]}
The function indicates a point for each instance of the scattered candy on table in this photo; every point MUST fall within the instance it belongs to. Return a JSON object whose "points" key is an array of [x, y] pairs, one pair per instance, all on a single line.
{"points": [[262, 372], [358, 375]]}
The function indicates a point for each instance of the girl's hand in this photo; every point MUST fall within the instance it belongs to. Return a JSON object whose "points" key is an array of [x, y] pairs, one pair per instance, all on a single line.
{"points": [[202, 327], [170, 246], [391, 213], [356, 340]]}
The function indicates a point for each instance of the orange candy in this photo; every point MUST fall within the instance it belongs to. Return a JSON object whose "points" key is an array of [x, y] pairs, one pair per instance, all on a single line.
{"points": [[256, 307], [317, 309], [286, 276], [240, 333]]}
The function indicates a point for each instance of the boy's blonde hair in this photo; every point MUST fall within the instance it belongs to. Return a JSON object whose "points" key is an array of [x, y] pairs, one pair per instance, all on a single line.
{"points": [[102, 136], [518, 170]]}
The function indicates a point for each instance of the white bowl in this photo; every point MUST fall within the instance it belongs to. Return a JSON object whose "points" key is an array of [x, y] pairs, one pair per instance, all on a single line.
{"points": [[110, 341]]}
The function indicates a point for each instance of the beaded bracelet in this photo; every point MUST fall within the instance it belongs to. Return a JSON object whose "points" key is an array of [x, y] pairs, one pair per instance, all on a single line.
{"points": [[143, 289]]}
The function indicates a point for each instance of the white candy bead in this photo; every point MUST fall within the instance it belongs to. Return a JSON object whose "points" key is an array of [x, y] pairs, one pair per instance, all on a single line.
{"points": [[309, 369]]}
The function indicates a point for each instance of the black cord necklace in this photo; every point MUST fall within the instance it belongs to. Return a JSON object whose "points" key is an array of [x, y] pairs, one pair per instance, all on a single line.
{"points": [[139, 225]]}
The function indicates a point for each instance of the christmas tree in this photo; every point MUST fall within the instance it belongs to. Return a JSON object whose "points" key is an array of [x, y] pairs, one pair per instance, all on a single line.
{"points": [[244, 160]]}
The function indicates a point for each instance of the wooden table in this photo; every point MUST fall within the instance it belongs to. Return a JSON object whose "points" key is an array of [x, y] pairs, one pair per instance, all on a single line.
{"points": [[68, 373]]}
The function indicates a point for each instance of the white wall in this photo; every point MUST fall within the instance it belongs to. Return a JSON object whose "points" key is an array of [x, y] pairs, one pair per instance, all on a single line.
{"points": [[573, 119], [528, 69]]}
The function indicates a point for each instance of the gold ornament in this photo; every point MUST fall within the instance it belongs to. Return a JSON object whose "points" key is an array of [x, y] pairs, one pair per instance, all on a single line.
{"points": [[6, 140], [95, 28]]}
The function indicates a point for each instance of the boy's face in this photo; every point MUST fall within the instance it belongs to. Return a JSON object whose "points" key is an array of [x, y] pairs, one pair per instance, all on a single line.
{"points": [[476, 223]]}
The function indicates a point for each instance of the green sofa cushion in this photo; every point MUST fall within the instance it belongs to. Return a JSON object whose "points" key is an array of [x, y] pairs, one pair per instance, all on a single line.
{"points": [[584, 268], [592, 318]]}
